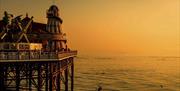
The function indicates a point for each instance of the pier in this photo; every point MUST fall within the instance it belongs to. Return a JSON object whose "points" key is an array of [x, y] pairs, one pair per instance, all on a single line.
{"points": [[40, 72], [35, 56]]}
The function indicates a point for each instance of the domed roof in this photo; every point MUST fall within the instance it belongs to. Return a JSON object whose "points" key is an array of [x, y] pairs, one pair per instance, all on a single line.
{"points": [[53, 7], [53, 12]]}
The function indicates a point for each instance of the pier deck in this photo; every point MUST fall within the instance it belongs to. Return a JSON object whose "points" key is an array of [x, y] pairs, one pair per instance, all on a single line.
{"points": [[37, 71]]}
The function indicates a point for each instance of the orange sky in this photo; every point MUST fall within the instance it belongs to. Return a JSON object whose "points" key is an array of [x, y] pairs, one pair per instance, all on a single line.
{"points": [[121, 27]]}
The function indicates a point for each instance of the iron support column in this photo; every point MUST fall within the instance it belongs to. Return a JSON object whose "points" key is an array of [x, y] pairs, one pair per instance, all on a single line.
{"points": [[17, 77], [66, 79], [47, 76], [58, 80], [2, 78], [72, 75], [30, 76], [51, 77], [39, 77]]}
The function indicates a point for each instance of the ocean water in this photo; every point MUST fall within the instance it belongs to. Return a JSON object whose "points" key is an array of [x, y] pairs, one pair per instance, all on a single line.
{"points": [[127, 73]]}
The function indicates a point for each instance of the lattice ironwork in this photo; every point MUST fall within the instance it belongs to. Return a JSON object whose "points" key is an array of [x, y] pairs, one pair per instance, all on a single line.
{"points": [[37, 76]]}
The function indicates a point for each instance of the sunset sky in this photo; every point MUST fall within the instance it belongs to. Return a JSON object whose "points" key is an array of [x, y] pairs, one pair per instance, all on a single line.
{"points": [[117, 27]]}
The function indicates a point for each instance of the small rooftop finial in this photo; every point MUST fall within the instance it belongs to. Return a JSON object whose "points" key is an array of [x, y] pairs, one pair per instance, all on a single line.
{"points": [[26, 14]]}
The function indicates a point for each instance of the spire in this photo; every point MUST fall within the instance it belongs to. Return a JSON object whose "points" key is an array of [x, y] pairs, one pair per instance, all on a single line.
{"points": [[26, 14]]}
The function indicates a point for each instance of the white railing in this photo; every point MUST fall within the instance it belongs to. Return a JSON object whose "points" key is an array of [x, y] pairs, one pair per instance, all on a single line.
{"points": [[35, 55]]}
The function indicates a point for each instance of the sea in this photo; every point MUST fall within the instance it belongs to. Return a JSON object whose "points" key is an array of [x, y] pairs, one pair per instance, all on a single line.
{"points": [[127, 73]]}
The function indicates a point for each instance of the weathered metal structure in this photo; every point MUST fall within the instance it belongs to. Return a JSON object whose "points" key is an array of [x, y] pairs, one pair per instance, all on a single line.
{"points": [[35, 56]]}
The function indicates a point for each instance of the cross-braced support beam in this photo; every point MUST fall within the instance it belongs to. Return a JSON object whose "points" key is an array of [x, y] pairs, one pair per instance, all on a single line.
{"points": [[37, 76]]}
